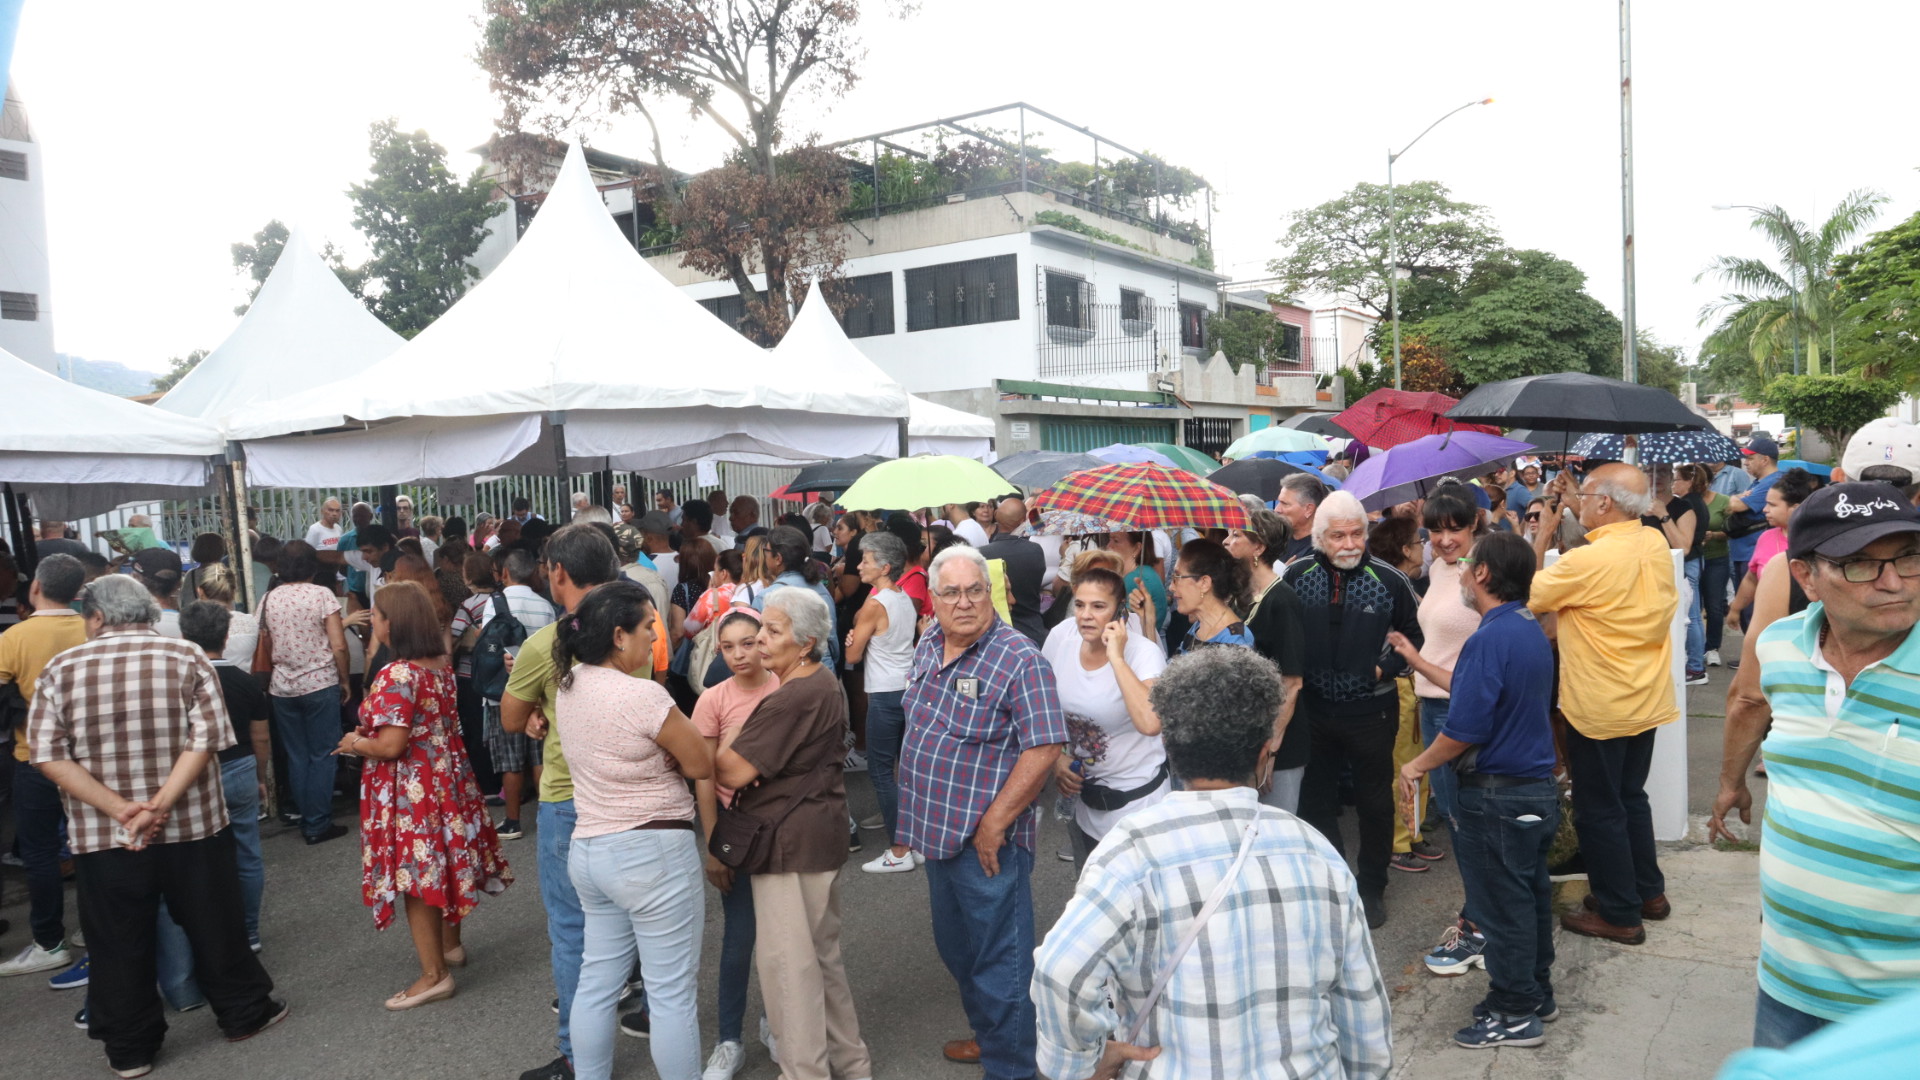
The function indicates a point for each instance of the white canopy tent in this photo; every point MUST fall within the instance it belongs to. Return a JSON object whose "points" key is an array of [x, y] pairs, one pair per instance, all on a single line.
{"points": [[574, 333], [941, 429], [80, 452], [303, 330]]}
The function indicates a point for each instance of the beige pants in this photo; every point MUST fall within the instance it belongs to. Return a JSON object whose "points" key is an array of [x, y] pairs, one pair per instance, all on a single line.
{"points": [[802, 979]]}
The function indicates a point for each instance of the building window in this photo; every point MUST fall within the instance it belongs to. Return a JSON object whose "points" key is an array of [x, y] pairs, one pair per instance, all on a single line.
{"points": [[962, 293], [1193, 326], [24, 306], [1069, 301], [13, 165], [1289, 344], [1134, 306], [731, 308], [869, 301], [1211, 435]]}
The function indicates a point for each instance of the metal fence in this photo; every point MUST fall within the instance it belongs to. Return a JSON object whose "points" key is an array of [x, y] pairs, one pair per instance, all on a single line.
{"points": [[1099, 339]]}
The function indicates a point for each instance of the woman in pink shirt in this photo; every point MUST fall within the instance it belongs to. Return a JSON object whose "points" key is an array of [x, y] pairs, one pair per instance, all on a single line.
{"points": [[634, 860], [1452, 521]]}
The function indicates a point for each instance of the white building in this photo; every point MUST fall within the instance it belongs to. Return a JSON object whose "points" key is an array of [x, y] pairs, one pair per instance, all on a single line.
{"points": [[26, 311]]}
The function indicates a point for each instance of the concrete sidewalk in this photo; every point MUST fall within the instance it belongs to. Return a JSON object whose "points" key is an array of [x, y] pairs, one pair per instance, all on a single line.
{"points": [[1675, 1007]]}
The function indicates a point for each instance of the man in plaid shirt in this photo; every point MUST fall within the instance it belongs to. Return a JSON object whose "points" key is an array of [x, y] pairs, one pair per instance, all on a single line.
{"points": [[127, 725], [984, 725], [1279, 981]]}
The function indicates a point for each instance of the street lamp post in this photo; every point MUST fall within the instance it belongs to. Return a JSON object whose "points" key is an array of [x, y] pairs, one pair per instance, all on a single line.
{"points": [[1393, 236]]}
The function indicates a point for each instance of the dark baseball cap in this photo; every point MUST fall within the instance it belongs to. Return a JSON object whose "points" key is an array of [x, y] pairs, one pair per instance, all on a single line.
{"points": [[656, 522], [155, 562], [1840, 519], [1760, 444]]}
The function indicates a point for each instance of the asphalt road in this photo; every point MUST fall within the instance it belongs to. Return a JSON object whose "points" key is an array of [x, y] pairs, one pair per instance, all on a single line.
{"points": [[335, 970]]}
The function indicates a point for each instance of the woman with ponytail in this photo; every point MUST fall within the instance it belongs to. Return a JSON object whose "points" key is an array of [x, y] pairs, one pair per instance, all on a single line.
{"points": [[635, 860]]}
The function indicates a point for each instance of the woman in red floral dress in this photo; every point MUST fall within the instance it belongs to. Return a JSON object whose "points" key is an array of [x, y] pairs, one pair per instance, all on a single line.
{"points": [[424, 831]]}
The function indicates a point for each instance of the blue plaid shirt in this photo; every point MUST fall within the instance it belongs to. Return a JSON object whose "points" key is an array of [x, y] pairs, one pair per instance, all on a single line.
{"points": [[960, 749], [1282, 982]]}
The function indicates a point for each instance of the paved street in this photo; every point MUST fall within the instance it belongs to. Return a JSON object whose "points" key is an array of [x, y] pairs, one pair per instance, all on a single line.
{"points": [[335, 970]]}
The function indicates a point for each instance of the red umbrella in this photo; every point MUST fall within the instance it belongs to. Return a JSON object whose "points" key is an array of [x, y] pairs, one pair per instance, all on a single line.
{"points": [[1146, 496], [794, 496], [1387, 417]]}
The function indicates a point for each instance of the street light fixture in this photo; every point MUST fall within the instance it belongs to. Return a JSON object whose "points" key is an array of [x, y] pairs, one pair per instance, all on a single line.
{"points": [[1393, 235]]}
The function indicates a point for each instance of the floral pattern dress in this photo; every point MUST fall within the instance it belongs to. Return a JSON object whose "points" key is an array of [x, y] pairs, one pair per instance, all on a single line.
{"points": [[424, 830]]}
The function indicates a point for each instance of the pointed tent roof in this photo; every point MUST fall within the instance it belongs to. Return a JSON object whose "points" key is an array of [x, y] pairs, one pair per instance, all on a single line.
{"points": [[933, 420], [304, 329]]}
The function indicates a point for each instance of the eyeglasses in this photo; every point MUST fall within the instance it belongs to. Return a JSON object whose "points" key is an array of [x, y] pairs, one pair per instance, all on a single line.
{"points": [[1861, 571], [972, 594], [1188, 577], [1465, 560], [1533, 515]]}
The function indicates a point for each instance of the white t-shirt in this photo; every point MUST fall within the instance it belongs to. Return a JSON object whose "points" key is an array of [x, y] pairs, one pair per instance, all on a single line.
{"points": [[668, 563], [323, 537], [971, 531], [1100, 730]]}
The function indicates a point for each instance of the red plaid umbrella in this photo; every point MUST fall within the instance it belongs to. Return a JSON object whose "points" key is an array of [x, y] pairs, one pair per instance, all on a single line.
{"points": [[1388, 417], [1146, 496]]}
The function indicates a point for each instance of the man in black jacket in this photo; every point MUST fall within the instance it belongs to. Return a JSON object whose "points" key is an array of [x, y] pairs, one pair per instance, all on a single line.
{"points": [[1348, 604], [1026, 566]]}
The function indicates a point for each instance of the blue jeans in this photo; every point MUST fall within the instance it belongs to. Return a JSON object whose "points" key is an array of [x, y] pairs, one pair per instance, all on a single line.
{"points": [[240, 782], [566, 923], [1501, 837], [1714, 576], [1777, 1026], [886, 728], [1696, 621], [643, 894], [1443, 780], [983, 928], [37, 813], [309, 727], [736, 952]]}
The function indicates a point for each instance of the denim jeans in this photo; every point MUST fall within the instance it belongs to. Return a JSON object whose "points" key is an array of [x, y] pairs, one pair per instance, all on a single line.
{"points": [[1501, 837], [1696, 619], [886, 727], [643, 896], [37, 813], [309, 727], [1714, 576], [983, 928], [1444, 781], [239, 781], [736, 953], [1284, 792], [1777, 1025], [1615, 821], [566, 923]]}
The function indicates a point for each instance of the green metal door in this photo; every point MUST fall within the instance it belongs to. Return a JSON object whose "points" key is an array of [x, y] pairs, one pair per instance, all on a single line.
{"points": [[1079, 436]]}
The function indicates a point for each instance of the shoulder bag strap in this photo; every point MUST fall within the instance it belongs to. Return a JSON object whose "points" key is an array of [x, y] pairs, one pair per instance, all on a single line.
{"points": [[1193, 932]]}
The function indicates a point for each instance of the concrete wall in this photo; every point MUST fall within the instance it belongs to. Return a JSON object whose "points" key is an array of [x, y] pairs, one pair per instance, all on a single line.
{"points": [[23, 240]]}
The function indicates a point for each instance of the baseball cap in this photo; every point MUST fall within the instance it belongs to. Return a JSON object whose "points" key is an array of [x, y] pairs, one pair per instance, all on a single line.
{"points": [[1760, 444], [1840, 519], [156, 562], [656, 521], [1526, 463], [1886, 441], [626, 540]]}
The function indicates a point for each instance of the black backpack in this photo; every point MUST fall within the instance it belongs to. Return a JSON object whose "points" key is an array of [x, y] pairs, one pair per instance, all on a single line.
{"points": [[502, 632]]}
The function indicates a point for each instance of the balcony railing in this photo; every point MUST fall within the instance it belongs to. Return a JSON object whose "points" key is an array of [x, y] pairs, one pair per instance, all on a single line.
{"points": [[1101, 339]]}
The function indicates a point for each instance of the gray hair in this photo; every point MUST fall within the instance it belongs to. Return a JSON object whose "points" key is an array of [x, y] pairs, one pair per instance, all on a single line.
{"points": [[812, 620], [1306, 486], [120, 600], [1252, 502], [1626, 500], [60, 578], [594, 514], [1217, 705], [1338, 506], [954, 554], [886, 549]]}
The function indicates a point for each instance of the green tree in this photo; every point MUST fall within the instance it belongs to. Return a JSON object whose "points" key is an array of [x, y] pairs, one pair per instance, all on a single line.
{"points": [[1340, 247], [1662, 365], [257, 258], [1363, 377], [422, 224], [177, 369], [1835, 406], [1796, 306], [1880, 287], [1524, 313], [1244, 336]]}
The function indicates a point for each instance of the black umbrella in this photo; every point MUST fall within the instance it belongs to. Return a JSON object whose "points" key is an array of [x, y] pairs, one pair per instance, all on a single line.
{"points": [[1319, 423], [1548, 442], [1041, 469], [1576, 401], [833, 475], [1254, 476]]}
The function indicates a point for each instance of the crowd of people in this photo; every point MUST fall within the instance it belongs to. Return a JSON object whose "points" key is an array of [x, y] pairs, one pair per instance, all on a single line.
{"points": [[682, 690]]}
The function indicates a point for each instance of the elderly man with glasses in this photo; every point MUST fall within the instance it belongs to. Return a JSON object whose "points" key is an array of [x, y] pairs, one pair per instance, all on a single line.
{"points": [[984, 724]]}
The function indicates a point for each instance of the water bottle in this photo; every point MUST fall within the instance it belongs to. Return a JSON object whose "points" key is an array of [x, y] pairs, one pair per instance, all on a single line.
{"points": [[1063, 806]]}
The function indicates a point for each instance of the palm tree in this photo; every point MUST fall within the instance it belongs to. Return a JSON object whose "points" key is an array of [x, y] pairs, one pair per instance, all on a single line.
{"points": [[1772, 312]]}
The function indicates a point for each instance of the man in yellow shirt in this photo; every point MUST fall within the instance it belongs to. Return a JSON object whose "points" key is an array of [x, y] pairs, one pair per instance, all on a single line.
{"points": [[25, 649], [1614, 600]]}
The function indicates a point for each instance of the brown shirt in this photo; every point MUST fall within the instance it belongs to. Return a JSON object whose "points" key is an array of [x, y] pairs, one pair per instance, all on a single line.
{"points": [[793, 734]]}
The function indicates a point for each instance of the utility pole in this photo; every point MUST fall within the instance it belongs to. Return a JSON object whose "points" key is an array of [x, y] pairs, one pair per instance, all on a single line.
{"points": [[1630, 347]]}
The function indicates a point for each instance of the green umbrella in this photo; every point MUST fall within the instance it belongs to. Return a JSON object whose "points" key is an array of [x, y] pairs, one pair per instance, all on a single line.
{"points": [[1186, 457], [926, 480], [1279, 440]]}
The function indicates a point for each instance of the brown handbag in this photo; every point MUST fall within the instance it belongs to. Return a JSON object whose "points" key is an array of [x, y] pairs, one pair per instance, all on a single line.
{"points": [[263, 648], [743, 840]]}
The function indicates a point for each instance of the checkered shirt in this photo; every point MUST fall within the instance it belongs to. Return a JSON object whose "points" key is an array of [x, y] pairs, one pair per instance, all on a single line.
{"points": [[1282, 982], [125, 706], [959, 751]]}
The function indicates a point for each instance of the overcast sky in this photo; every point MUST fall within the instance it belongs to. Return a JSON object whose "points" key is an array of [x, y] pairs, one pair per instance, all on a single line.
{"points": [[170, 132]]}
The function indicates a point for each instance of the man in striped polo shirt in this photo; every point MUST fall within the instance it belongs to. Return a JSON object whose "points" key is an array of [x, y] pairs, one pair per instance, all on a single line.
{"points": [[1839, 890]]}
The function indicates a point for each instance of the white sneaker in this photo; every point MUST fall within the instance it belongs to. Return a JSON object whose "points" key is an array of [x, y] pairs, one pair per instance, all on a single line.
{"points": [[919, 859], [766, 1037], [889, 863], [1713, 657], [725, 1062], [34, 958], [78, 939], [875, 822], [855, 762]]}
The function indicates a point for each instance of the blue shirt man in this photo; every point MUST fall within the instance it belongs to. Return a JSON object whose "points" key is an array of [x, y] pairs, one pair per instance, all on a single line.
{"points": [[1761, 456]]}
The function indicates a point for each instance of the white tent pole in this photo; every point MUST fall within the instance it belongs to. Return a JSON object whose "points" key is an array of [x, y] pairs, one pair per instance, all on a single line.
{"points": [[243, 560]]}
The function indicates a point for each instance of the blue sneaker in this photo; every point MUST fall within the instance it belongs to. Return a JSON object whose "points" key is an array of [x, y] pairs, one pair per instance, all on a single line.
{"points": [[73, 978], [1459, 952], [1496, 1030], [1547, 1011]]}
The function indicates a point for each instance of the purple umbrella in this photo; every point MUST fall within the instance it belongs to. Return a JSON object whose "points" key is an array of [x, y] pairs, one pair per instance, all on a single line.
{"points": [[1408, 471], [1126, 454]]}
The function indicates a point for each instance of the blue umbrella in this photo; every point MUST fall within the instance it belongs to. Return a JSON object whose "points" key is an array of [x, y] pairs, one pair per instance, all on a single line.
{"points": [[1312, 458], [1126, 454], [1661, 447], [1824, 472], [1408, 471]]}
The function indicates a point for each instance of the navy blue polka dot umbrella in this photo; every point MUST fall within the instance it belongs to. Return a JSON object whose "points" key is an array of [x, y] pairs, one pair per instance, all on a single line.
{"points": [[1657, 447]]}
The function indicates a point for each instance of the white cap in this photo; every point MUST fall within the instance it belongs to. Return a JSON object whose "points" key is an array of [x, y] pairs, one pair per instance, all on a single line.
{"points": [[1525, 462], [1885, 441]]}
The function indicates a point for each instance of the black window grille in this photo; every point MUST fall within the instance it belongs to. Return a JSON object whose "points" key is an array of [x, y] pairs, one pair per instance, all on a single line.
{"points": [[23, 306], [1069, 301], [731, 308], [13, 165], [869, 301], [1134, 306], [1193, 326], [1211, 435], [962, 293], [1290, 344]]}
